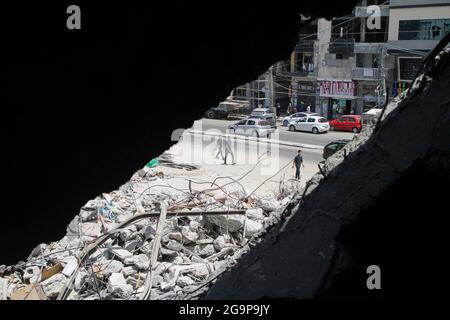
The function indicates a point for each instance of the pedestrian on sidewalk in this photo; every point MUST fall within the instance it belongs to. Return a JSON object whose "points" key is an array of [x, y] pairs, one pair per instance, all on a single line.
{"points": [[228, 150], [298, 161], [220, 141]]}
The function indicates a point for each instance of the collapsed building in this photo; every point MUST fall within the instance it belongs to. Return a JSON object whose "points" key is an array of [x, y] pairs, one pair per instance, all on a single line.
{"points": [[382, 211]]}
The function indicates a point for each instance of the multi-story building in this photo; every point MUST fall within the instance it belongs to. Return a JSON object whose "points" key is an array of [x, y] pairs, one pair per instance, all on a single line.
{"points": [[415, 27], [352, 63]]}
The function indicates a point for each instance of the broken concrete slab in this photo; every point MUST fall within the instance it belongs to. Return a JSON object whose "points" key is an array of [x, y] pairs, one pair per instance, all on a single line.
{"points": [[118, 285], [232, 223], [252, 227], [91, 229], [70, 267], [140, 261], [3, 289], [120, 253], [53, 285]]}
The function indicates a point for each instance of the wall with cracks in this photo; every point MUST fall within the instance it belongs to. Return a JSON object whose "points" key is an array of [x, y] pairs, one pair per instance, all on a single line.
{"points": [[382, 205]]}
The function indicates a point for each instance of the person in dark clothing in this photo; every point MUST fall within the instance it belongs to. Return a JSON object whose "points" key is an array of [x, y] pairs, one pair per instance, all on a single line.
{"points": [[298, 161]]}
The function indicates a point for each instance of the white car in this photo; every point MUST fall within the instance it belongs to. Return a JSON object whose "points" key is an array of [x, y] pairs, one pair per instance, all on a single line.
{"points": [[296, 116], [261, 112], [314, 124], [252, 127]]}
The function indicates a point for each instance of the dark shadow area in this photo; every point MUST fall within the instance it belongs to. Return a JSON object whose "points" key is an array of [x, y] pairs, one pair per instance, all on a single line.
{"points": [[403, 232], [84, 109]]}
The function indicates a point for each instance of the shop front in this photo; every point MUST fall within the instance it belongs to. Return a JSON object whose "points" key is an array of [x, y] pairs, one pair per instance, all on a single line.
{"points": [[337, 97]]}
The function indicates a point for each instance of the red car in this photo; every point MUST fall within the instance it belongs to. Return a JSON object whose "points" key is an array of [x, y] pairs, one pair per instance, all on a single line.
{"points": [[347, 123]]}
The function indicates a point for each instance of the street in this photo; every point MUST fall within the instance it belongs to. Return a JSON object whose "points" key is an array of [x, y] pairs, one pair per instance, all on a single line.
{"points": [[284, 134]]}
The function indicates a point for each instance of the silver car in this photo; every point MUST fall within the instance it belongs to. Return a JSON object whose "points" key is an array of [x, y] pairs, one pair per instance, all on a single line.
{"points": [[252, 127], [297, 116]]}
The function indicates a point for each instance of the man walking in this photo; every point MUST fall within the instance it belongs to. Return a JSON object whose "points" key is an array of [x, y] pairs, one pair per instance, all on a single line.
{"points": [[298, 161], [228, 150], [220, 142]]}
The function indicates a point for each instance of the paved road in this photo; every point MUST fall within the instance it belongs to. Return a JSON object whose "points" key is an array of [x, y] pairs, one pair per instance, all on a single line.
{"points": [[284, 134], [208, 145]]}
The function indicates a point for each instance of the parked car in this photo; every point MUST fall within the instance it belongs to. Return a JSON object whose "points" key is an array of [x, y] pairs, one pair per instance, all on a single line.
{"points": [[296, 116], [219, 112], [347, 123], [371, 115], [334, 147], [314, 124], [260, 112], [269, 117], [252, 127]]}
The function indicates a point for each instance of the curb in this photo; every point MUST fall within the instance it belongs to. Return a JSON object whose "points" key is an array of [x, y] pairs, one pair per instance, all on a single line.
{"points": [[247, 138]]}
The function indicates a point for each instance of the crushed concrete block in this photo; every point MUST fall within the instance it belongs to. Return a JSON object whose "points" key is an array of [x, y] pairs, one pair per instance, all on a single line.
{"points": [[168, 252], [110, 267], [184, 281], [32, 274], [255, 214], [205, 241], [157, 280], [268, 204], [80, 279], [178, 260], [221, 242], [205, 250], [120, 253], [174, 245], [91, 229], [126, 233], [70, 267], [188, 234], [88, 214], [177, 236], [3, 289], [194, 225], [133, 245], [129, 271], [141, 261], [53, 285], [118, 285], [232, 223], [252, 227], [148, 231]]}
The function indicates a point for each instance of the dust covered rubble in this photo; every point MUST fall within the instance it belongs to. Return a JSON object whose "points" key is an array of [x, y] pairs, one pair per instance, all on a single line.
{"points": [[193, 249]]}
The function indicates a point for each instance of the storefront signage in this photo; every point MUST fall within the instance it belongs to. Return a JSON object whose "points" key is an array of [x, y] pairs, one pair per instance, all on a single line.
{"points": [[331, 88]]}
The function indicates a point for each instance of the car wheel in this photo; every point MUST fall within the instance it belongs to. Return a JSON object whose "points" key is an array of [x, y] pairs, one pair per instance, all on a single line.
{"points": [[210, 115], [291, 128], [268, 136], [233, 130], [285, 123], [315, 130], [355, 130], [332, 128]]}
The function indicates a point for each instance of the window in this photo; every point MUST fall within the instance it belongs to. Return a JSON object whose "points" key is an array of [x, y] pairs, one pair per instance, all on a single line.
{"points": [[302, 120], [322, 120], [339, 56], [251, 122], [332, 146], [263, 123], [311, 119], [427, 29], [241, 123], [351, 119], [341, 119]]}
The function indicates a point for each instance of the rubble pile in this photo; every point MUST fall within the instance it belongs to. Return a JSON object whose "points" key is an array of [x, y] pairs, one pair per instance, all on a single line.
{"points": [[194, 244]]}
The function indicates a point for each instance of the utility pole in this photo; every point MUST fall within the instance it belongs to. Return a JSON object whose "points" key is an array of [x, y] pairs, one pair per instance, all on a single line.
{"points": [[272, 95]]}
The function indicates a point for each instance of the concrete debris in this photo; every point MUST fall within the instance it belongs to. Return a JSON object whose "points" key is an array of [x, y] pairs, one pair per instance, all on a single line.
{"points": [[3, 289], [32, 274], [252, 227], [118, 285], [140, 261], [193, 245], [53, 285]]}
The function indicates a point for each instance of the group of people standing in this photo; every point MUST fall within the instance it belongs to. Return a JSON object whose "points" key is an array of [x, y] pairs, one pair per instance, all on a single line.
{"points": [[225, 148]]}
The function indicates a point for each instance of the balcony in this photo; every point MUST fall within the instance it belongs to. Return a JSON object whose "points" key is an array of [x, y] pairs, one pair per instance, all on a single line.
{"points": [[362, 11], [365, 73]]}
